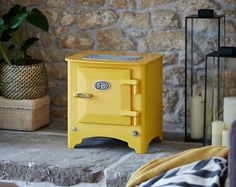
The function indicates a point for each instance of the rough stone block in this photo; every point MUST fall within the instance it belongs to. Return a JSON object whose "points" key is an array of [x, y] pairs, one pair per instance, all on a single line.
{"points": [[29, 2], [170, 100], [78, 40], [67, 19], [51, 15], [60, 30], [230, 27], [173, 57], [161, 41], [135, 20], [184, 5], [98, 18], [56, 71], [165, 20], [230, 1], [114, 39], [57, 3], [48, 55], [95, 3], [47, 40], [175, 76], [154, 3], [230, 13], [122, 4]]}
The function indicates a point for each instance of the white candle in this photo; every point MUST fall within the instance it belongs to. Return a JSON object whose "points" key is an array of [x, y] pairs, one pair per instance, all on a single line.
{"points": [[210, 116], [215, 104], [225, 138], [196, 118], [217, 128], [195, 90], [229, 111]]}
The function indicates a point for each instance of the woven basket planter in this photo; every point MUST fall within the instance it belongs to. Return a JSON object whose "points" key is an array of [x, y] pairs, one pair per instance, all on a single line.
{"points": [[24, 81], [25, 115]]}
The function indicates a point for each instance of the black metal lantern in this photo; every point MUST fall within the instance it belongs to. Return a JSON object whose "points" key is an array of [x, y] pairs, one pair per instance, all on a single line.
{"points": [[204, 33], [220, 82]]}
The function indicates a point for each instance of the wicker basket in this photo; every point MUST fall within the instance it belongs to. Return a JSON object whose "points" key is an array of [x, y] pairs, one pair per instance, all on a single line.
{"points": [[26, 115], [24, 81]]}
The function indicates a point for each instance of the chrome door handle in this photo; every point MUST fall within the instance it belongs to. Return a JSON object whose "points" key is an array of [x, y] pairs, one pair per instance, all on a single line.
{"points": [[132, 82], [83, 95], [133, 114]]}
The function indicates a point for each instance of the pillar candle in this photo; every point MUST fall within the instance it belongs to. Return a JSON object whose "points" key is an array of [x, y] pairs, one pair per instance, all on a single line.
{"points": [[225, 138], [209, 115], [229, 111], [195, 90], [196, 118], [217, 128], [215, 104]]}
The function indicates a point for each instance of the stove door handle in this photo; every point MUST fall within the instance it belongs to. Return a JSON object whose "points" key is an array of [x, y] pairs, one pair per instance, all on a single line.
{"points": [[83, 95], [133, 114], [132, 82]]}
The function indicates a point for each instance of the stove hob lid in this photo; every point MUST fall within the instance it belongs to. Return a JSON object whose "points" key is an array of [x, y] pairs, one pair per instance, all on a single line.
{"points": [[109, 57]]}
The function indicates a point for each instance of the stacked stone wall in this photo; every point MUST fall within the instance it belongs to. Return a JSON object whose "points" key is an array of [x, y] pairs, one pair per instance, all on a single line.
{"points": [[153, 26]]}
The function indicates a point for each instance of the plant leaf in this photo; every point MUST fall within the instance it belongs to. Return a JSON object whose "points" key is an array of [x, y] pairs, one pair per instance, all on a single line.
{"points": [[5, 37], [12, 30], [4, 55], [17, 20], [11, 13], [1, 26], [27, 43], [38, 19]]}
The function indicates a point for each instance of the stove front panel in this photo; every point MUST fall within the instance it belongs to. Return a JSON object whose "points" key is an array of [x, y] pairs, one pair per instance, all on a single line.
{"points": [[102, 96]]}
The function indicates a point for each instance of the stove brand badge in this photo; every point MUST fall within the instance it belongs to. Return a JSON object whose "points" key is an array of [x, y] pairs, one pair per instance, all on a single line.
{"points": [[102, 85]]}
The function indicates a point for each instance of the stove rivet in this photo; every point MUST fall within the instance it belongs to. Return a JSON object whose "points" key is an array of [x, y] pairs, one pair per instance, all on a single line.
{"points": [[74, 129], [135, 133]]}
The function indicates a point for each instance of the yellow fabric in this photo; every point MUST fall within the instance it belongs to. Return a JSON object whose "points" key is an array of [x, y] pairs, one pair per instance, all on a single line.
{"points": [[156, 167]]}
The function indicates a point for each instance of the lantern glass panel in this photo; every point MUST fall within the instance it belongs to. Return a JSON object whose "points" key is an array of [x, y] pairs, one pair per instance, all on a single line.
{"points": [[220, 83], [203, 35]]}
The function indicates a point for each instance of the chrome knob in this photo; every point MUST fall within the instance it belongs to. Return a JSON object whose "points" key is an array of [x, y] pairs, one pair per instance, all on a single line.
{"points": [[74, 129], [135, 133]]}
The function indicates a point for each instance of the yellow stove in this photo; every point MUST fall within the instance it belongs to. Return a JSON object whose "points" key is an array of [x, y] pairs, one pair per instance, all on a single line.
{"points": [[115, 94]]}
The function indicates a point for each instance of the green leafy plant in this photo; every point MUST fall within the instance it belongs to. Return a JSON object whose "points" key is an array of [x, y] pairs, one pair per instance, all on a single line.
{"points": [[15, 22]]}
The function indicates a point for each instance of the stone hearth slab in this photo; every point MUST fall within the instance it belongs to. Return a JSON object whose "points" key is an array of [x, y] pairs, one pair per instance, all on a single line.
{"points": [[36, 157], [39, 158], [121, 171]]}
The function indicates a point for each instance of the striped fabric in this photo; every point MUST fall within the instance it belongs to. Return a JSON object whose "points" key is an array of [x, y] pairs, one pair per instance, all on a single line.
{"points": [[204, 173], [157, 167]]}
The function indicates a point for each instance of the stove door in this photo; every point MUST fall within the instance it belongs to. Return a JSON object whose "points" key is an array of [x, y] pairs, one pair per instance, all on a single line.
{"points": [[102, 97]]}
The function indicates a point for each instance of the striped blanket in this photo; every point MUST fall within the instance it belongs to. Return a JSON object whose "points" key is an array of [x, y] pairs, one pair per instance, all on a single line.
{"points": [[204, 173]]}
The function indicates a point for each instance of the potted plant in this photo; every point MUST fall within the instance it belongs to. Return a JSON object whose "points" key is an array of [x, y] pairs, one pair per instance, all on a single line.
{"points": [[21, 77]]}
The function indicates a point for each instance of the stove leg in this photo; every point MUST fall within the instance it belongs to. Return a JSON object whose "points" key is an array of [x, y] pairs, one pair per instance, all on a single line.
{"points": [[73, 141], [140, 148], [160, 137]]}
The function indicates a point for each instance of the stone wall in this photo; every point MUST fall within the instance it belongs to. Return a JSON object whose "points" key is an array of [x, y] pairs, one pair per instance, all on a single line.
{"points": [[155, 26]]}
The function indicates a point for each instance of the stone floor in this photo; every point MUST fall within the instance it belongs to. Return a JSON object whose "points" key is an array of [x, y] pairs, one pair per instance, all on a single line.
{"points": [[41, 158]]}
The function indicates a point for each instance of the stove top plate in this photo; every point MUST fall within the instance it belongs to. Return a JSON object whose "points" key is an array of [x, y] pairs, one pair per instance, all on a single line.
{"points": [[109, 57]]}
